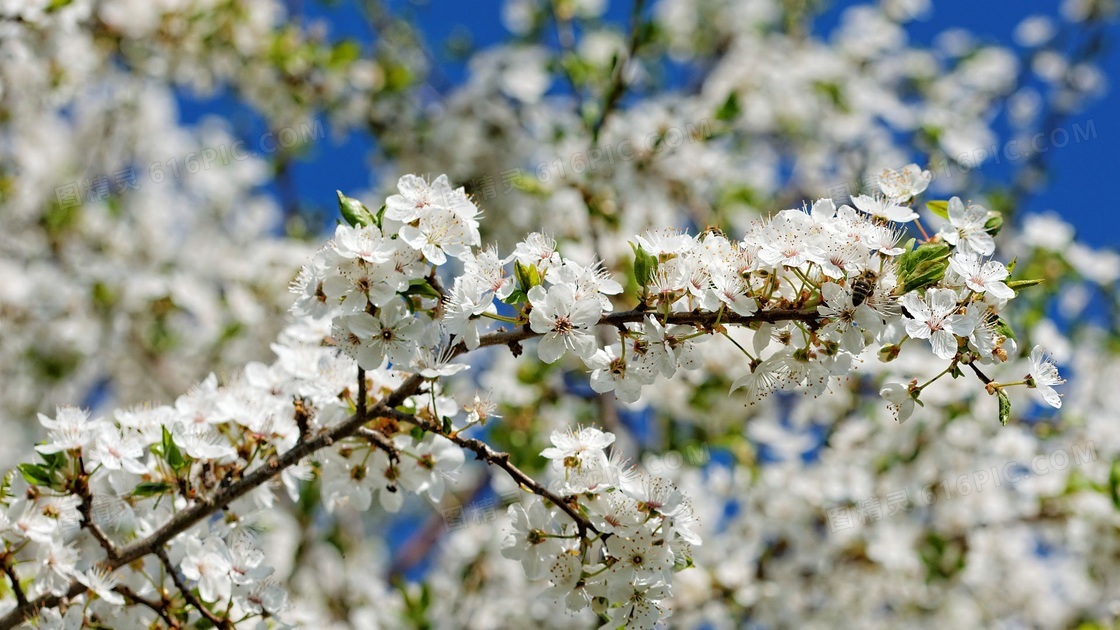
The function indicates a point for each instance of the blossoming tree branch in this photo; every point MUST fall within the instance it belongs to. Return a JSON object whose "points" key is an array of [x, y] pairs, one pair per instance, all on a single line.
{"points": [[154, 508]]}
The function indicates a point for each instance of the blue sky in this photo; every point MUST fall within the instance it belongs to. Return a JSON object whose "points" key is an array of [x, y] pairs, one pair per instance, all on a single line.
{"points": [[1078, 170]]}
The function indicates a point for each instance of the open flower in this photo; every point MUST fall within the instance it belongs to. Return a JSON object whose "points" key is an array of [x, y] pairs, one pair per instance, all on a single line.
{"points": [[102, 582], [1044, 376], [981, 276], [904, 183], [531, 541], [70, 429], [886, 207], [967, 228], [901, 402], [565, 322], [935, 317], [613, 373]]}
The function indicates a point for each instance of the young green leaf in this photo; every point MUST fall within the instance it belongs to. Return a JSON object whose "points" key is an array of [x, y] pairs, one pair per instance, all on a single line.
{"points": [[355, 213], [939, 207], [1004, 407]]}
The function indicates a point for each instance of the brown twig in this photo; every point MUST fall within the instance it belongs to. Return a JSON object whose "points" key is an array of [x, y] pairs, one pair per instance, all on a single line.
{"points": [[157, 607], [618, 83], [484, 452], [362, 395], [218, 622], [378, 439], [86, 510], [206, 506], [21, 598]]}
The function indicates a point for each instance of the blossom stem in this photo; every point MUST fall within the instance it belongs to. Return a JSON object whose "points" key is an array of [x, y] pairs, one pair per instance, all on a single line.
{"points": [[737, 345], [918, 224], [939, 375], [502, 318]]}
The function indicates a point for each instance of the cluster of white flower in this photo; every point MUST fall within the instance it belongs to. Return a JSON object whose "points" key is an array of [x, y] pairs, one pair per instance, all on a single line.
{"points": [[816, 286], [644, 530], [79, 324]]}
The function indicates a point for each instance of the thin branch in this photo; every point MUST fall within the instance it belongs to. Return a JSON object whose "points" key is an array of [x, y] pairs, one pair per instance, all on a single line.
{"points": [[983, 376], [700, 318], [362, 395], [218, 622], [618, 84], [500, 459], [203, 508], [157, 607], [378, 439], [21, 599], [86, 510]]}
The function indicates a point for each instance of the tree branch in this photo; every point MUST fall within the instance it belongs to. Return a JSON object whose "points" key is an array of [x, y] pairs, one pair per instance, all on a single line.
{"points": [[21, 599], [192, 515], [218, 622], [206, 506], [618, 84], [484, 452], [699, 318], [156, 607]]}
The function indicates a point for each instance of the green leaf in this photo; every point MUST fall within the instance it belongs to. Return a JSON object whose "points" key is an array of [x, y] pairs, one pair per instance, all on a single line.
{"points": [[924, 266], [355, 213], [527, 276], [1003, 328], [729, 110], [1114, 484], [645, 265], [422, 287], [1011, 265], [36, 475], [938, 207], [171, 453], [1022, 284], [516, 296], [54, 461], [151, 488], [1004, 407]]}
